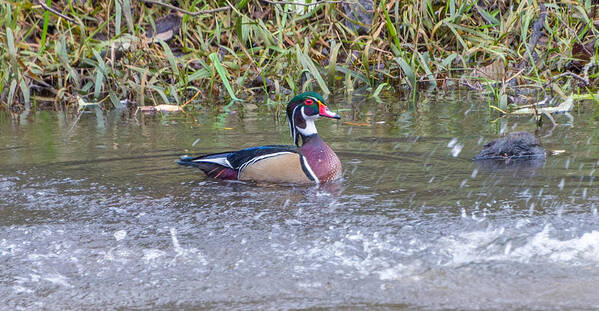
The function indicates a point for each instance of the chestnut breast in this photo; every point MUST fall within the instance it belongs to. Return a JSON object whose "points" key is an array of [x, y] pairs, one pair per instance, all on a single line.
{"points": [[322, 159]]}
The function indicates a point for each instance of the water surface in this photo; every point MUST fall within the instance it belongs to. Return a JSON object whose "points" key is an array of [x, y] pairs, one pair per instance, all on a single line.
{"points": [[96, 214]]}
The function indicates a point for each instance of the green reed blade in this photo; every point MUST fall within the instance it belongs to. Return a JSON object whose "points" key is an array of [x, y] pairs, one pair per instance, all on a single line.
{"points": [[408, 71], [379, 89], [160, 92], [171, 58], [128, 14], [45, 27], [115, 100], [222, 73], [333, 61], [99, 81], [118, 12], [61, 47], [310, 67]]}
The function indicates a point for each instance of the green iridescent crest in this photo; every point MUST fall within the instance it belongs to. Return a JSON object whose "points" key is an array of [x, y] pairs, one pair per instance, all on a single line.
{"points": [[303, 96], [310, 101]]}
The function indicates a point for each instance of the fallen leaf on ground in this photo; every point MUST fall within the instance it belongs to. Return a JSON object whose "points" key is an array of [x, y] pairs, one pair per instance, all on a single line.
{"points": [[166, 27]]}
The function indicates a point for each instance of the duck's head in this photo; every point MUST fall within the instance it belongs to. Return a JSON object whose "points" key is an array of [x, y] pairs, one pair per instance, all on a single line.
{"points": [[302, 110]]}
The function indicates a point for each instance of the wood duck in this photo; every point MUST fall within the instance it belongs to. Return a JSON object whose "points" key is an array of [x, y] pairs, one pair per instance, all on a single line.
{"points": [[313, 162]]}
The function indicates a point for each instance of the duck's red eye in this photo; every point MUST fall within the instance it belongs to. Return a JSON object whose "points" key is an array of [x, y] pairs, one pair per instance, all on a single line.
{"points": [[309, 102]]}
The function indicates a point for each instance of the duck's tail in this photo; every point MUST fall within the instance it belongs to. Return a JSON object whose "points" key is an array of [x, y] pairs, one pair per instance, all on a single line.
{"points": [[209, 166], [188, 161]]}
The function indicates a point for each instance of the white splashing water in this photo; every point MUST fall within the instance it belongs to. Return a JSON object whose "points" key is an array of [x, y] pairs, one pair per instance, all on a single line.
{"points": [[466, 248], [456, 150], [119, 235], [176, 244], [561, 184], [452, 142]]}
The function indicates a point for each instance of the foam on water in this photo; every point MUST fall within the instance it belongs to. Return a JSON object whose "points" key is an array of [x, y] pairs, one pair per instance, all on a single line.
{"points": [[497, 245]]}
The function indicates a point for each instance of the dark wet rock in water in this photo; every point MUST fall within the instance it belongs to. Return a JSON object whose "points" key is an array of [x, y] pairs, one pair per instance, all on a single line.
{"points": [[360, 15], [514, 146]]}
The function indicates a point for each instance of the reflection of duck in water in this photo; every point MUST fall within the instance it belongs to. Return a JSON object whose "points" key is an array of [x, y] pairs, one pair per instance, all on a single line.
{"points": [[313, 162], [519, 149]]}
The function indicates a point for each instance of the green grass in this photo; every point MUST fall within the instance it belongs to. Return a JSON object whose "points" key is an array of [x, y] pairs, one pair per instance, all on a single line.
{"points": [[412, 46]]}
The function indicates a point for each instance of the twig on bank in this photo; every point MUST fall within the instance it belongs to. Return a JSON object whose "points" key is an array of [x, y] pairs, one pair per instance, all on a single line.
{"points": [[302, 3], [565, 74], [178, 9], [53, 11]]}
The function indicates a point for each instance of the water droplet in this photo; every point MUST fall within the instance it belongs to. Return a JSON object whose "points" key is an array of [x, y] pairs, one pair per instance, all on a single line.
{"points": [[474, 173], [508, 248], [561, 184], [503, 129], [456, 150], [119, 235], [452, 142], [464, 215]]}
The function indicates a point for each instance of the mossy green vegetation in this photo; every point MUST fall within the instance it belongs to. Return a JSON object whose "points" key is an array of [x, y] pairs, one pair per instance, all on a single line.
{"points": [[194, 52]]}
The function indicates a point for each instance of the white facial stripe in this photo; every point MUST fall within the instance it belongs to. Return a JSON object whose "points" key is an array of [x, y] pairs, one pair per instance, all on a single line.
{"points": [[292, 126], [292, 122], [310, 128], [314, 99]]}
